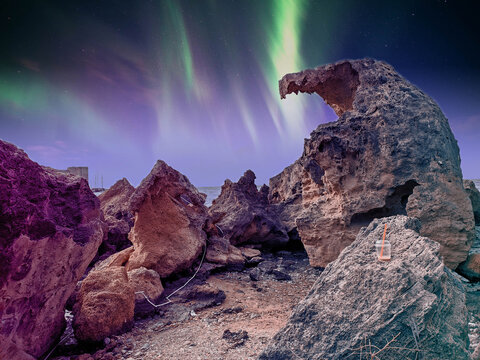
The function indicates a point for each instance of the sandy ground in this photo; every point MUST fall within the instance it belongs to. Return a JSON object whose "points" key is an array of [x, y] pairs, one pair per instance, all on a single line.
{"points": [[252, 313]]}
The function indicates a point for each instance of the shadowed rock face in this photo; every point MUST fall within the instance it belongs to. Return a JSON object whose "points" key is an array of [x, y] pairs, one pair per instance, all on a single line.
{"points": [[50, 230], [119, 219], [358, 298], [474, 196], [169, 217], [390, 152], [242, 213]]}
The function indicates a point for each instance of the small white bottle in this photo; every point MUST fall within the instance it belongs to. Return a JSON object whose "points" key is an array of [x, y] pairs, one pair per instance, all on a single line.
{"points": [[384, 254]]}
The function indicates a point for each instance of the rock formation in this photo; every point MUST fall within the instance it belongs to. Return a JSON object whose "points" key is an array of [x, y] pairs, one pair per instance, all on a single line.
{"points": [[118, 217], [474, 196], [285, 195], [170, 214], [470, 268], [390, 152], [50, 230], [220, 251], [167, 238], [413, 299], [104, 306], [242, 214], [148, 288]]}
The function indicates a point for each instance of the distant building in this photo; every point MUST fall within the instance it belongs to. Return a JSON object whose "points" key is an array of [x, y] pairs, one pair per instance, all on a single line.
{"points": [[81, 171]]}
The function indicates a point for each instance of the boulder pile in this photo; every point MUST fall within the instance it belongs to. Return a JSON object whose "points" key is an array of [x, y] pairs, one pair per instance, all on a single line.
{"points": [[167, 236]]}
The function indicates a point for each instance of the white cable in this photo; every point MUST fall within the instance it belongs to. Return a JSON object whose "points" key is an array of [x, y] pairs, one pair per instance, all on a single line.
{"points": [[180, 288]]}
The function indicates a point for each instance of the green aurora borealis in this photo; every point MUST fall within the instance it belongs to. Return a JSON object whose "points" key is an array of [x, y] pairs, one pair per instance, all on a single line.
{"points": [[116, 85]]}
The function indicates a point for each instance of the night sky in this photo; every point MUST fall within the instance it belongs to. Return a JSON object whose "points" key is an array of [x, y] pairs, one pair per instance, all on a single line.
{"points": [[116, 85]]}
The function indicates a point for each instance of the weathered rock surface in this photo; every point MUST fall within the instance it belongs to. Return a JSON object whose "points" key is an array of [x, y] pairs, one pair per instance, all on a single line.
{"points": [[474, 196], [220, 251], [413, 298], [50, 230], [470, 268], [145, 282], [243, 215], [390, 152], [114, 204], [169, 217], [105, 305], [285, 195]]}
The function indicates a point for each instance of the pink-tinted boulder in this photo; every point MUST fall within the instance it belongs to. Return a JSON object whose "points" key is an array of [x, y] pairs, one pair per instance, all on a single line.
{"points": [[50, 230], [118, 218], [170, 214], [105, 305]]}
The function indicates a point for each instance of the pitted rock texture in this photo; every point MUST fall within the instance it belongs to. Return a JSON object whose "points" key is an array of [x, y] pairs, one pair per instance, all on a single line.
{"points": [[50, 230], [390, 152], [357, 300], [170, 215], [119, 218], [220, 251], [474, 196], [285, 196], [148, 289], [105, 305], [470, 268], [242, 214]]}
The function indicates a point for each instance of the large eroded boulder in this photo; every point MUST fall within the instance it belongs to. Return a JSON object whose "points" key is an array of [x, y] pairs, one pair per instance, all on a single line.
{"points": [[390, 152], [50, 230], [242, 214], [114, 204], [170, 214], [105, 305], [358, 300]]}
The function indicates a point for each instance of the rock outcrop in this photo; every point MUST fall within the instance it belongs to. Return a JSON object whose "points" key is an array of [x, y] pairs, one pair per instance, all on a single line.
{"points": [[119, 219], [220, 251], [474, 196], [285, 195], [357, 300], [50, 229], [470, 268], [170, 214], [148, 289], [390, 152], [242, 214], [105, 305]]}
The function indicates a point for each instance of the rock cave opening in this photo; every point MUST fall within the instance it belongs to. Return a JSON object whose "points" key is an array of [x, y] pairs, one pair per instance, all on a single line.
{"points": [[395, 204]]}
